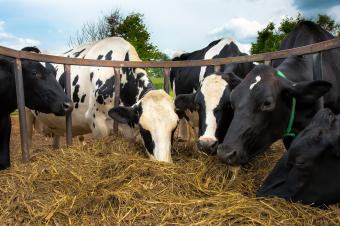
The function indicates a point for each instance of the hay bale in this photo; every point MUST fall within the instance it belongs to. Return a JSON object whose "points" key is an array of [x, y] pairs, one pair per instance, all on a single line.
{"points": [[111, 181]]}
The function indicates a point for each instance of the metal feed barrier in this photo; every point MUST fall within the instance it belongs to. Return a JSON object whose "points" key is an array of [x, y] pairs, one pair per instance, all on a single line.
{"points": [[315, 49]]}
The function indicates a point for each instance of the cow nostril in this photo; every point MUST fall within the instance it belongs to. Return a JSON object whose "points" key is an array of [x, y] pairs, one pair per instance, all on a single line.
{"points": [[68, 106], [208, 146], [200, 145], [206, 143], [230, 154], [225, 153]]}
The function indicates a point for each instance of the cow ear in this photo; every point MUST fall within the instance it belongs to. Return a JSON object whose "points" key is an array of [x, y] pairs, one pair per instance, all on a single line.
{"points": [[307, 92], [185, 102], [127, 115], [232, 79]]}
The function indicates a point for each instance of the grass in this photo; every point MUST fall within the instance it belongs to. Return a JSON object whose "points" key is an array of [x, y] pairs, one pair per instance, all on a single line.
{"points": [[158, 82]]}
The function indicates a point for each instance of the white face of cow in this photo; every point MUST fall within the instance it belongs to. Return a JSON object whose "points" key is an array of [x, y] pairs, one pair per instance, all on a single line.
{"points": [[212, 90], [157, 120], [211, 101]]}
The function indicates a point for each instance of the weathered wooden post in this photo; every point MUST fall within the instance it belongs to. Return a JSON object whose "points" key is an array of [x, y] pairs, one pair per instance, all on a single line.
{"points": [[317, 74], [166, 72], [19, 86], [117, 96], [217, 68], [67, 70], [268, 62]]}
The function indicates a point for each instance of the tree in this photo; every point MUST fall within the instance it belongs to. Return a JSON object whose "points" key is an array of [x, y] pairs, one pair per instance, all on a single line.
{"points": [[267, 40], [327, 23], [90, 32], [134, 31], [132, 28], [270, 38]]}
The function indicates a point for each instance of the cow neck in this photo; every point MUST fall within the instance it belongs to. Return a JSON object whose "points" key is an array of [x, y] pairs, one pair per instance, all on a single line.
{"points": [[145, 91], [288, 132]]}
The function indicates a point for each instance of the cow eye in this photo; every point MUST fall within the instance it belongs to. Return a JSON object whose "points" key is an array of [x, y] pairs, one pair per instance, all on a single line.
{"points": [[36, 74], [299, 161], [268, 105]]}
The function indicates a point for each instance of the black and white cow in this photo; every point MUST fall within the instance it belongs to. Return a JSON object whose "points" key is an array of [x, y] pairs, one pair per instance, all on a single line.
{"points": [[263, 102], [42, 92], [142, 108], [309, 171], [187, 80], [211, 101]]}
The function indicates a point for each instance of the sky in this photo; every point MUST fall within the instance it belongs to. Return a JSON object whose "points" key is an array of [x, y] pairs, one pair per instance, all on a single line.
{"points": [[175, 25]]}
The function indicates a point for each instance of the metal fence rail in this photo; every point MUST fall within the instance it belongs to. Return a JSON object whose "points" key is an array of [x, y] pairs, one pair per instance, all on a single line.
{"points": [[315, 49]]}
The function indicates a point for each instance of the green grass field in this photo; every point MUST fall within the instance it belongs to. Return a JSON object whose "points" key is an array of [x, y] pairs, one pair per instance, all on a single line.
{"points": [[158, 82]]}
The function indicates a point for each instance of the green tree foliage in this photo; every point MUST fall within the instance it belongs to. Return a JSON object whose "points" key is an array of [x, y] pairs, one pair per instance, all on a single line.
{"points": [[327, 23], [269, 39], [134, 31], [132, 28]]}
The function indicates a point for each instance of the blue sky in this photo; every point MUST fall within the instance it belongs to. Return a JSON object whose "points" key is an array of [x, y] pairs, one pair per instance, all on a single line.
{"points": [[174, 25]]}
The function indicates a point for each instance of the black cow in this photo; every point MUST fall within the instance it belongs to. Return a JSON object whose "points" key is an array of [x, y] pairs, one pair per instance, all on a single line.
{"points": [[264, 99], [212, 123], [42, 92], [308, 172]]}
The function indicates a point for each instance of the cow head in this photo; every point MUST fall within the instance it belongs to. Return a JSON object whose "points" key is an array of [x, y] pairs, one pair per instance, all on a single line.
{"points": [[211, 101], [308, 172], [157, 120], [42, 91], [262, 106]]}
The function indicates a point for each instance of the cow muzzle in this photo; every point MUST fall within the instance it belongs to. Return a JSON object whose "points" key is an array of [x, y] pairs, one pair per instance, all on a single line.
{"points": [[207, 145], [230, 155], [67, 107]]}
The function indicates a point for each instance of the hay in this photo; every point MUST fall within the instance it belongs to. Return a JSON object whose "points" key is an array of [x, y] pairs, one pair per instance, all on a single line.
{"points": [[110, 181]]}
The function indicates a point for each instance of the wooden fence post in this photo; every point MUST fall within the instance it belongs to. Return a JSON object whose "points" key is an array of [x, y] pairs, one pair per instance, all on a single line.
{"points": [[268, 62], [166, 72], [117, 96], [217, 68], [317, 74], [19, 86], [67, 70]]}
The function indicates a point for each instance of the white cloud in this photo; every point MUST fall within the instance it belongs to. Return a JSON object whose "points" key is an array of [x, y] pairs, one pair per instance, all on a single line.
{"points": [[335, 12], [173, 52], [244, 47], [174, 24], [14, 42], [238, 28]]}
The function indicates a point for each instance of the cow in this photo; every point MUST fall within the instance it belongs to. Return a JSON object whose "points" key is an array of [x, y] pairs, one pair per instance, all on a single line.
{"points": [[269, 97], [307, 172], [187, 81], [143, 110], [42, 93], [211, 102]]}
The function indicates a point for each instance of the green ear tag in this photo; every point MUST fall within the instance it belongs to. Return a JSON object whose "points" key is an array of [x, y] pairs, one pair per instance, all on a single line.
{"points": [[288, 131], [280, 74]]}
